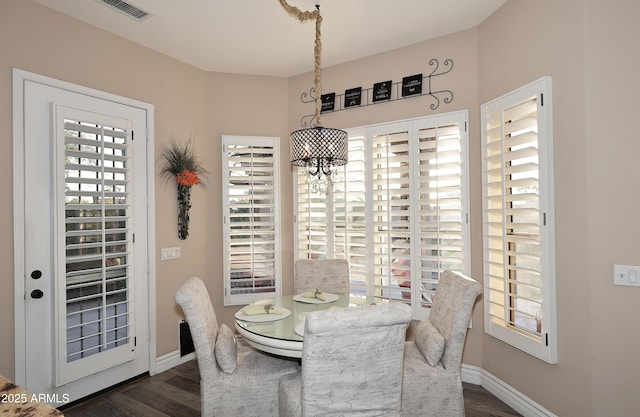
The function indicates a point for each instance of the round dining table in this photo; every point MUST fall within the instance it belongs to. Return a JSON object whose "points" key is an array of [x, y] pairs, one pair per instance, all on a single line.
{"points": [[282, 334]]}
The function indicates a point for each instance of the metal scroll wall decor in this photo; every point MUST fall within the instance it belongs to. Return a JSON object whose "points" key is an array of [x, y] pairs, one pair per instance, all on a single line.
{"points": [[411, 86]]}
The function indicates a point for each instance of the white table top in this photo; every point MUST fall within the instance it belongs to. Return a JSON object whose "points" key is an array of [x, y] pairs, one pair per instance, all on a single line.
{"points": [[279, 336]]}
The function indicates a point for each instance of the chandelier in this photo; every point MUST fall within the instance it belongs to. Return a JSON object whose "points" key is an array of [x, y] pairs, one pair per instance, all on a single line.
{"points": [[318, 149]]}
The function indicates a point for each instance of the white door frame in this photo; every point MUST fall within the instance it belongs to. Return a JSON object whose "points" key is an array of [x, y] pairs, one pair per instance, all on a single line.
{"points": [[20, 77]]}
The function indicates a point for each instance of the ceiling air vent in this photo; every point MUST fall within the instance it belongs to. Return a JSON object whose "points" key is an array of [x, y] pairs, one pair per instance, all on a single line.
{"points": [[127, 9]]}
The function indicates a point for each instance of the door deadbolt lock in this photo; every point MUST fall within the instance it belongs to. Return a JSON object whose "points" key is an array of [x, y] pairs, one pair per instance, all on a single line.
{"points": [[37, 274], [37, 294]]}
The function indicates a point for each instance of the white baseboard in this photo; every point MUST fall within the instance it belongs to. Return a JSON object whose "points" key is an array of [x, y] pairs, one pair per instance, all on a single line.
{"points": [[507, 394], [171, 359], [469, 373]]}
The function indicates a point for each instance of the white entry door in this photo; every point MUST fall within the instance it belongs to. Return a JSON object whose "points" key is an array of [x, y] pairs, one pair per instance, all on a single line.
{"points": [[86, 251]]}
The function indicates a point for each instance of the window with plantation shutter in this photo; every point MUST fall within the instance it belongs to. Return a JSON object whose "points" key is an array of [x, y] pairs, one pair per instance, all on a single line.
{"points": [[519, 261], [397, 211], [251, 218]]}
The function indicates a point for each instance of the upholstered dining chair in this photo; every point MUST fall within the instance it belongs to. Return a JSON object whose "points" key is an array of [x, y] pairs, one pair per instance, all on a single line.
{"points": [[351, 363], [328, 275], [431, 383], [234, 380]]}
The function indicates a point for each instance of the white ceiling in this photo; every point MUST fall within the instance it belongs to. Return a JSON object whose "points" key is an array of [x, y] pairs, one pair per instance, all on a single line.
{"points": [[258, 36]]}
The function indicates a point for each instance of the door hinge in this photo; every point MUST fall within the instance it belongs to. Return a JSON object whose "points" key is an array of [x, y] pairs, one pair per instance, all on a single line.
{"points": [[541, 99], [132, 135], [546, 339], [544, 219], [135, 341]]}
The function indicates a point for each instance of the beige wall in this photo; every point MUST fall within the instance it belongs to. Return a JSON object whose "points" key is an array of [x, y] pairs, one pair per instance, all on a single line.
{"points": [[613, 200], [258, 108], [520, 43], [187, 102], [588, 47]]}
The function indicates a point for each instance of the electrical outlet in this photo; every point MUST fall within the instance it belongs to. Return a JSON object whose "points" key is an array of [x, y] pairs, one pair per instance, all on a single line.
{"points": [[170, 253], [627, 275]]}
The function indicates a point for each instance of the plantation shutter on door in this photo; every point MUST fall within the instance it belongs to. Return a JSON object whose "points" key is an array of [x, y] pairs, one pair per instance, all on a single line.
{"points": [[94, 229], [251, 218]]}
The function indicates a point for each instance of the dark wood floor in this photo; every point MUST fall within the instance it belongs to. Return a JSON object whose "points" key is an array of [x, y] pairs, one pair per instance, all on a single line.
{"points": [[175, 393]]}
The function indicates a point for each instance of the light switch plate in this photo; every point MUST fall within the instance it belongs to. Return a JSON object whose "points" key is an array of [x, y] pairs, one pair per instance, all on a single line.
{"points": [[170, 253], [627, 275]]}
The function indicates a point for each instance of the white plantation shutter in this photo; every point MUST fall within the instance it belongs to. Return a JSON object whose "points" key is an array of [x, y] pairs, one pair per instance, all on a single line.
{"points": [[312, 219], [331, 217], [443, 202], [391, 209], [350, 213], [251, 218], [94, 229], [398, 210], [518, 220]]}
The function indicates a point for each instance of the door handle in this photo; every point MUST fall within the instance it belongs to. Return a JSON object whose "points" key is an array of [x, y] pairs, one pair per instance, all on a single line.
{"points": [[37, 294], [37, 274]]}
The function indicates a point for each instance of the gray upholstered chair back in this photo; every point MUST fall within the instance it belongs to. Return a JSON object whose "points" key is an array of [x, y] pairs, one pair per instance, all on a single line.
{"points": [[250, 389], [431, 383], [451, 313], [352, 361], [194, 299], [328, 275]]}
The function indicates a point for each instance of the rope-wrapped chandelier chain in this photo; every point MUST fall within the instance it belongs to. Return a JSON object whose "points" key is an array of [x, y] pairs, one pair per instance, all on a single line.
{"points": [[317, 50], [318, 149]]}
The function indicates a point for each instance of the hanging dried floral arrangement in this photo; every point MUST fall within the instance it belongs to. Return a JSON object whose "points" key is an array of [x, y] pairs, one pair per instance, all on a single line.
{"points": [[181, 163]]}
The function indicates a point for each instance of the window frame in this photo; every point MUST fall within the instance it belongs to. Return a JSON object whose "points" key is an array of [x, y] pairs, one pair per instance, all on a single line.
{"points": [[365, 272], [500, 299], [231, 298]]}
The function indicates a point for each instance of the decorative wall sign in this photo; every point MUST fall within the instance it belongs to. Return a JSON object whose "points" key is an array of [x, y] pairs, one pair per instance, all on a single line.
{"points": [[328, 102], [411, 86], [382, 91], [352, 97]]}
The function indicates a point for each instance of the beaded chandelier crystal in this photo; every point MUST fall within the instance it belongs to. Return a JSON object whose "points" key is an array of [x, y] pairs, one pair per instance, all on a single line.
{"points": [[318, 149]]}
